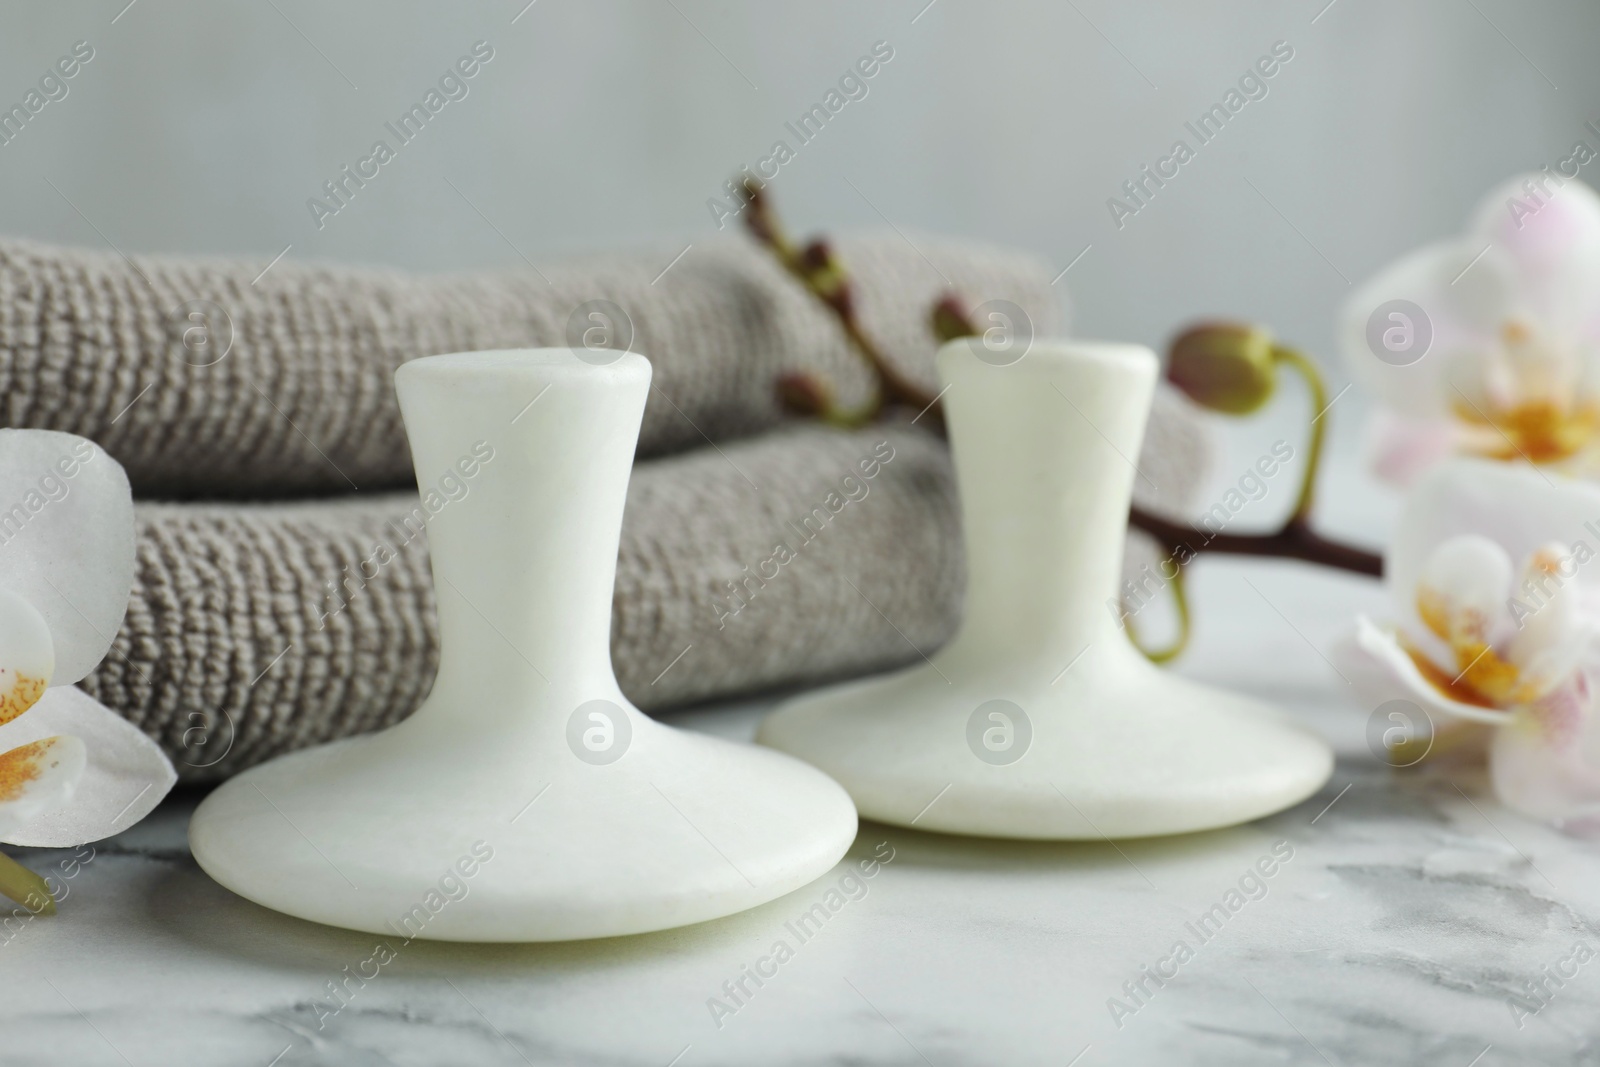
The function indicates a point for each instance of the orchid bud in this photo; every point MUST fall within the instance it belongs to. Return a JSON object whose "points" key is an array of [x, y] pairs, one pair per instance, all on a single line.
{"points": [[804, 394], [950, 320], [827, 274], [1224, 366]]}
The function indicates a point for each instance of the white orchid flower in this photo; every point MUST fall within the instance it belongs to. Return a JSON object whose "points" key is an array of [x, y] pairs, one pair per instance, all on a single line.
{"points": [[1489, 344], [1495, 577], [71, 770]]}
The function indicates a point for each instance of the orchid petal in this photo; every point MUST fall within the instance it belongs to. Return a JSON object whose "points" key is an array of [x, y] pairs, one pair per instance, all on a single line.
{"points": [[1550, 237], [1460, 320], [66, 541], [37, 777], [1461, 592], [1388, 657], [27, 657], [1400, 450], [1550, 641], [1542, 225], [1546, 763], [126, 776], [1377, 683], [1517, 507]]}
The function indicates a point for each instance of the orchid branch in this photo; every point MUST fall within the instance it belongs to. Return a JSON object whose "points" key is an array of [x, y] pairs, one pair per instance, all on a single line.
{"points": [[820, 272], [1224, 367]]}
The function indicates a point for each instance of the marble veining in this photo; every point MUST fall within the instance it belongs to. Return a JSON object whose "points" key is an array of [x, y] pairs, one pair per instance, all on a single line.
{"points": [[1413, 911]]}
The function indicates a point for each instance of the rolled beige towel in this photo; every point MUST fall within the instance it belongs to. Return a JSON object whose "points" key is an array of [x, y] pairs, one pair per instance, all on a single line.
{"points": [[247, 635], [214, 377]]}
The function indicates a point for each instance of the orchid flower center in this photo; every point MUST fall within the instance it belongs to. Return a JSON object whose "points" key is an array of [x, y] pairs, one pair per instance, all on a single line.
{"points": [[1533, 409], [22, 765], [1496, 659], [1478, 676], [19, 691]]}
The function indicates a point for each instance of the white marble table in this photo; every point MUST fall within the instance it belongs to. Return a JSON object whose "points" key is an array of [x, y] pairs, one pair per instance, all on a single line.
{"points": [[1412, 908]]}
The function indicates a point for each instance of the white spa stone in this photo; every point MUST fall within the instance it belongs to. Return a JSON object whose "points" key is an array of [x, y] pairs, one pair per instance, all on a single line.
{"points": [[1040, 719], [526, 800]]}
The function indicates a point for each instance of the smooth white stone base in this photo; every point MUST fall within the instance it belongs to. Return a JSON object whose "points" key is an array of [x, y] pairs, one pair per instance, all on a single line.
{"points": [[1135, 755], [682, 829]]}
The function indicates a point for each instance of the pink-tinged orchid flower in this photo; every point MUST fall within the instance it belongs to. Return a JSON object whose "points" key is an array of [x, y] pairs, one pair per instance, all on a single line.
{"points": [[71, 770], [1495, 578], [1489, 344]]}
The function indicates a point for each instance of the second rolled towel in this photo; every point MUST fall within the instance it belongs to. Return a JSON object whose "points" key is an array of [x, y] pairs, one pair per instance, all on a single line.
{"points": [[798, 556]]}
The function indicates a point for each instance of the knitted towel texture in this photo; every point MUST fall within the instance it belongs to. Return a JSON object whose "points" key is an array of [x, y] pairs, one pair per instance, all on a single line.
{"points": [[258, 624], [208, 377], [254, 629]]}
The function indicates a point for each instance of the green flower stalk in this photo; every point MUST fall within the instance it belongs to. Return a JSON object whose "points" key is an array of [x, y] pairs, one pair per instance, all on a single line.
{"points": [[1233, 369], [26, 888]]}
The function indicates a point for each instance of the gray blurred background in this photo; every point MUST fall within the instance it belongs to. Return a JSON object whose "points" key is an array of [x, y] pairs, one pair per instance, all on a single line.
{"points": [[206, 128]]}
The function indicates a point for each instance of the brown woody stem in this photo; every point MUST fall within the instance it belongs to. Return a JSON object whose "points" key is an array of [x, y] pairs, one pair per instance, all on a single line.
{"points": [[1294, 540]]}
